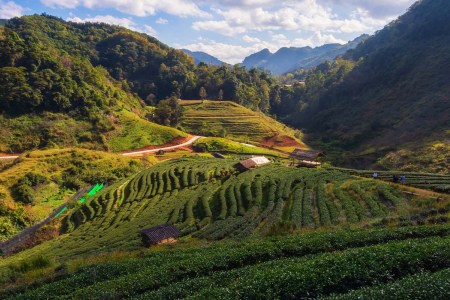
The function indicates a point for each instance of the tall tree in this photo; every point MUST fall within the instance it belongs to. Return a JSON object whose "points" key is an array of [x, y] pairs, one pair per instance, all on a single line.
{"points": [[202, 93], [168, 112]]}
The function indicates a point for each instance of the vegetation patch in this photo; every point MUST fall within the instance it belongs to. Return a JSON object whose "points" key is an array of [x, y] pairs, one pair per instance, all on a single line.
{"points": [[133, 132], [228, 146], [325, 263], [38, 181]]}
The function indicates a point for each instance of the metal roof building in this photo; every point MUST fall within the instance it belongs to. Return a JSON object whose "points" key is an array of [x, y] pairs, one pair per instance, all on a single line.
{"points": [[165, 233], [254, 162], [308, 155]]}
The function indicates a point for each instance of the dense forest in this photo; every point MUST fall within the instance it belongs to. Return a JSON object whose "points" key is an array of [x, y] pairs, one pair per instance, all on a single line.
{"points": [[81, 73], [389, 96], [141, 64]]}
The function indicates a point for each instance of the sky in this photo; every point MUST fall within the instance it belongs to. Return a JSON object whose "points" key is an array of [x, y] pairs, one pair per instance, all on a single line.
{"points": [[227, 29]]}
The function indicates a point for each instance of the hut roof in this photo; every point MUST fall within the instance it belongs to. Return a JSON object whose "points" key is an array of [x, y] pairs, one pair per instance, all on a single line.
{"points": [[309, 155], [254, 162], [161, 232]]}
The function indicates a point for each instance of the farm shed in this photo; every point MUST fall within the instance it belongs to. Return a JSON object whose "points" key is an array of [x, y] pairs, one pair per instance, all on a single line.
{"points": [[253, 162], [308, 158], [161, 234]]}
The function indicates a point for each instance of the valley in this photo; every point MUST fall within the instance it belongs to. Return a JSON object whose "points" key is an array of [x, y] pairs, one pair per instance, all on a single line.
{"points": [[133, 170]]}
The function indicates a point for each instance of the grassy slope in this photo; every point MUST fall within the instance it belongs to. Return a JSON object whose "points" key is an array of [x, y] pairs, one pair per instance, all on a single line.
{"points": [[281, 199], [130, 131], [215, 144], [432, 158], [133, 132], [231, 120], [89, 166]]}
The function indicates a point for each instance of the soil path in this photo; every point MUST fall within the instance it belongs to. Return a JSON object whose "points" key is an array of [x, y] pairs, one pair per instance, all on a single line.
{"points": [[151, 149], [168, 148]]}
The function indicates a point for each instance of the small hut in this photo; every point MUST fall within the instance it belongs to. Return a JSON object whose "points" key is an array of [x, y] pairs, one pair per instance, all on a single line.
{"points": [[307, 158], [161, 234], [253, 163]]}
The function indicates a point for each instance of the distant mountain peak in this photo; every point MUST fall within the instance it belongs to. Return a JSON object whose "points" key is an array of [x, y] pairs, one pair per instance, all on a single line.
{"points": [[287, 59], [204, 57]]}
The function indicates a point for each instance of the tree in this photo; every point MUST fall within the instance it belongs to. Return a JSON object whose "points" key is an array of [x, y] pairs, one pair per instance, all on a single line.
{"points": [[168, 112], [202, 93], [16, 95]]}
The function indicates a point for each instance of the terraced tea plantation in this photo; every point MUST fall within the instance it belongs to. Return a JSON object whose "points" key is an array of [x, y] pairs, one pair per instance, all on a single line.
{"points": [[209, 199], [227, 218], [436, 182], [394, 263], [231, 120]]}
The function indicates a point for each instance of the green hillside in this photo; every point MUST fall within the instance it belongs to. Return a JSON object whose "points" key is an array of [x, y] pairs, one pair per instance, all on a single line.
{"points": [[390, 99], [231, 120], [226, 146], [39, 181], [55, 94], [402, 263], [209, 199], [271, 232], [68, 84], [324, 212]]}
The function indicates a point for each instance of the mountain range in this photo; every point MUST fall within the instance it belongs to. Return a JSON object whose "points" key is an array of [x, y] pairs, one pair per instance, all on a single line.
{"points": [[289, 59]]}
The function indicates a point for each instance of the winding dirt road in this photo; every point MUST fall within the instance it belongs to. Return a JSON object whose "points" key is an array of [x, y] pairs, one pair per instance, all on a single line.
{"points": [[141, 152], [133, 153]]}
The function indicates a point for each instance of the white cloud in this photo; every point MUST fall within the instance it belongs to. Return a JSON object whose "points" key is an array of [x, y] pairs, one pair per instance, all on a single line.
{"points": [[125, 22], [141, 8], [149, 30], [222, 27], [61, 3], [225, 52], [306, 15], [375, 8], [10, 10], [303, 15], [249, 39], [378, 9], [162, 21]]}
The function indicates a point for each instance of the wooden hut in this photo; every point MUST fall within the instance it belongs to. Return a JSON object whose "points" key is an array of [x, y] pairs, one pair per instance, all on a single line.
{"points": [[161, 234], [307, 158], [253, 162]]}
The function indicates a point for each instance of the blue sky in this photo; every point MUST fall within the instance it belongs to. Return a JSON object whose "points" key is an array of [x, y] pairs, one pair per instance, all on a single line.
{"points": [[227, 29]]}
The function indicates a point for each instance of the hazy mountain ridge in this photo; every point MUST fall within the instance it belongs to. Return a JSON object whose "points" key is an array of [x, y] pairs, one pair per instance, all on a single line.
{"points": [[204, 57], [287, 59]]}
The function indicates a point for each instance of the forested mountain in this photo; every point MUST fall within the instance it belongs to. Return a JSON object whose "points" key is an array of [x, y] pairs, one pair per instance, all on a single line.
{"points": [[391, 93], [258, 59], [202, 57], [292, 58], [81, 77]]}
